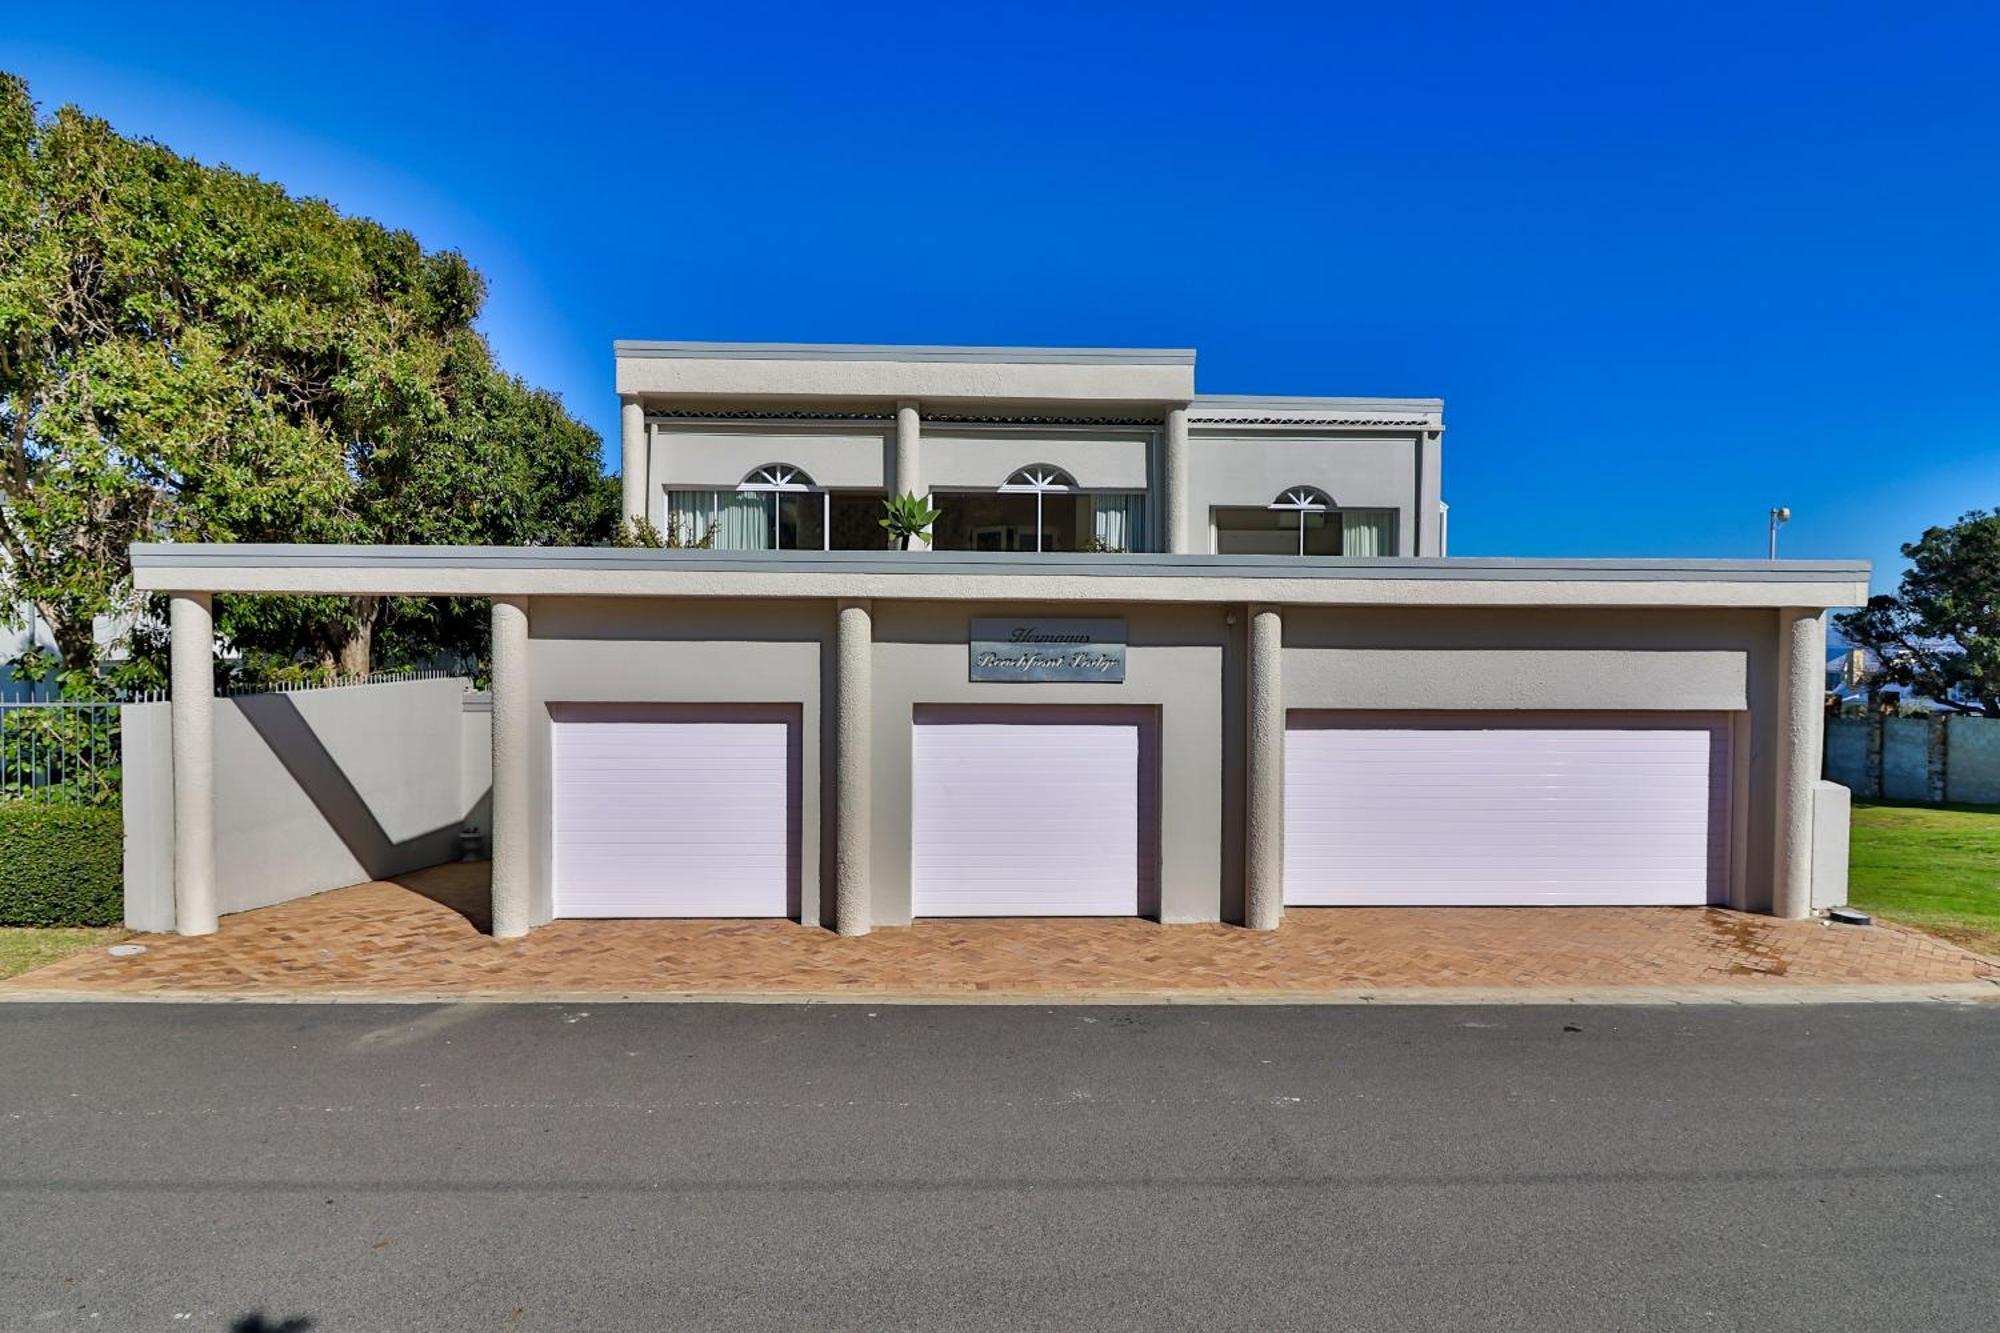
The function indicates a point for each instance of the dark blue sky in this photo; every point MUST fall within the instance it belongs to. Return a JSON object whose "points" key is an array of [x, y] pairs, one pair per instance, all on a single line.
{"points": [[1667, 266]]}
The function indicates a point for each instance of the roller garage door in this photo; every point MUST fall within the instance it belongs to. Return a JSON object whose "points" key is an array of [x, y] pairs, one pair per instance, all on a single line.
{"points": [[1027, 812], [1506, 810], [674, 811]]}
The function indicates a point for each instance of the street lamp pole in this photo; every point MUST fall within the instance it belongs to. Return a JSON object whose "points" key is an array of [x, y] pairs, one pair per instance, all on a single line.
{"points": [[1779, 517]]}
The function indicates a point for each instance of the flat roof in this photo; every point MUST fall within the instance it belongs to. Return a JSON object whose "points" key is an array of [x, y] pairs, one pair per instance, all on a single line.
{"points": [[1024, 356], [798, 371], [475, 571]]}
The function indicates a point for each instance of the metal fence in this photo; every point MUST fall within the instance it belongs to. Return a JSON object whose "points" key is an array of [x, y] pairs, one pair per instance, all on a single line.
{"points": [[336, 682], [63, 751]]}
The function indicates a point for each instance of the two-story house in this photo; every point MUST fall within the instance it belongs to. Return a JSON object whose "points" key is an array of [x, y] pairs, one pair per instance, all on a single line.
{"points": [[1177, 656], [761, 446]]}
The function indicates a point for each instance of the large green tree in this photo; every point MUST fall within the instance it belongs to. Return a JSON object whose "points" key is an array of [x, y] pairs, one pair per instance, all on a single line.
{"points": [[189, 352], [1939, 632]]}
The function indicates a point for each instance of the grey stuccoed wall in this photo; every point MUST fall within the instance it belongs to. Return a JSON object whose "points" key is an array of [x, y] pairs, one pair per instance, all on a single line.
{"points": [[146, 761], [1832, 805], [314, 789], [475, 778]]}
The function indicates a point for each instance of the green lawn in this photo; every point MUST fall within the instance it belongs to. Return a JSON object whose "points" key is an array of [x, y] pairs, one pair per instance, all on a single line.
{"points": [[1935, 867], [25, 947]]}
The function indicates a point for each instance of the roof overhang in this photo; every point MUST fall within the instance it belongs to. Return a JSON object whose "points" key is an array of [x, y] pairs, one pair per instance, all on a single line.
{"points": [[485, 571], [1221, 411], [1052, 375]]}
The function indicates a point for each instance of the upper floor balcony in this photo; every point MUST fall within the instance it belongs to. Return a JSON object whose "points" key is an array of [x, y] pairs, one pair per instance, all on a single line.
{"points": [[789, 447]]}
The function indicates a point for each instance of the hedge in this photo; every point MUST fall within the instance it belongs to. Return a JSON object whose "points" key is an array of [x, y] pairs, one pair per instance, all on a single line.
{"points": [[61, 865]]}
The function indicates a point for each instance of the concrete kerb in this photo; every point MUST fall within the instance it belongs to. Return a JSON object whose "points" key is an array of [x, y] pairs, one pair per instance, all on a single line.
{"points": [[1967, 992]]}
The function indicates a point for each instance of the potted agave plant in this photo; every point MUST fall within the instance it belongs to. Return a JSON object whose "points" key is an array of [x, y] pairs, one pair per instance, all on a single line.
{"points": [[907, 517]]}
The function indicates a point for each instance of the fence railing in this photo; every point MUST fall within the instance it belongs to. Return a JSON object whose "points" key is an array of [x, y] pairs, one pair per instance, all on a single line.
{"points": [[61, 751], [336, 682]]}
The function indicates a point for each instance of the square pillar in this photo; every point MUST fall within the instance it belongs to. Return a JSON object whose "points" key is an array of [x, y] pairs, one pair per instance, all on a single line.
{"points": [[191, 623], [512, 873], [853, 726], [1264, 781]]}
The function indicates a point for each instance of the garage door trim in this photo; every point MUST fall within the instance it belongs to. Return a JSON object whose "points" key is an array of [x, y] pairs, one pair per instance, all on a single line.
{"points": [[789, 716], [1143, 722]]}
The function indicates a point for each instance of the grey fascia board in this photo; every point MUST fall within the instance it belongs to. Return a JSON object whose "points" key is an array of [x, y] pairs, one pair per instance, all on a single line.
{"points": [[166, 556], [709, 351], [1227, 403]]}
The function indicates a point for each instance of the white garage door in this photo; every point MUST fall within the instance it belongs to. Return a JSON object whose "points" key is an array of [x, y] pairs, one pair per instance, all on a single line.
{"points": [[1505, 812], [673, 812], [1018, 813]]}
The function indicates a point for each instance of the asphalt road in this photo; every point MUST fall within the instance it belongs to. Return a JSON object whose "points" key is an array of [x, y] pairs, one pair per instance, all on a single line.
{"points": [[724, 1167]]}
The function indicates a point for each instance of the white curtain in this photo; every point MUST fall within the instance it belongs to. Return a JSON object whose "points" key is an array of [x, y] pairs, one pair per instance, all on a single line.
{"points": [[743, 521], [689, 513], [1119, 520], [1367, 532]]}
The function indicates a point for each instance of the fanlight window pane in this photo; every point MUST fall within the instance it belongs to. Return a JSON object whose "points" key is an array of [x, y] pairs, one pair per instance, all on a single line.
{"points": [[777, 477]]}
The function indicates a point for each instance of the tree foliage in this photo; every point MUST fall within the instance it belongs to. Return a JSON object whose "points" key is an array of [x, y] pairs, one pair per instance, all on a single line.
{"points": [[1939, 633], [188, 352]]}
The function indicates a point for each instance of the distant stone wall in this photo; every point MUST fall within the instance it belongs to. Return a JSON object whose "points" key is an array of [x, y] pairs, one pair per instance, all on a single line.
{"points": [[1953, 759], [1906, 758], [1972, 769], [1846, 755]]}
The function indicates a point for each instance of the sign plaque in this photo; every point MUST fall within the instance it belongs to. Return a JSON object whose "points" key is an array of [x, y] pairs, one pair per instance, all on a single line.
{"points": [[1048, 650]]}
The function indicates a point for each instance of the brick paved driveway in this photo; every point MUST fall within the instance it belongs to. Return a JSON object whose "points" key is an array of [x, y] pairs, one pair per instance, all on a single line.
{"points": [[421, 936]]}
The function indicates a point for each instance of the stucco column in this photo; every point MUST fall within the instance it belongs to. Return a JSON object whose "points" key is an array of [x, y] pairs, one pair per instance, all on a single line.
{"points": [[908, 473], [1801, 660], [191, 622], [1264, 782], [853, 722], [632, 457], [511, 871], [1173, 481]]}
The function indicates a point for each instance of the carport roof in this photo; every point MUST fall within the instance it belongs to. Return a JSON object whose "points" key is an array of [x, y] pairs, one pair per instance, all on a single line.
{"points": [[481, 571]]}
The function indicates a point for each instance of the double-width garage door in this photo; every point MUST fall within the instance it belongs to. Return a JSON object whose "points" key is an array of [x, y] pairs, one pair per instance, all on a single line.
{"points": [[1032, 812], [1509, 809], [675, 811]]}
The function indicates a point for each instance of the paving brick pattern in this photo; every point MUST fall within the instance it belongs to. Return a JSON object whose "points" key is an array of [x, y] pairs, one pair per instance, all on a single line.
{"points": [[422, 935]]}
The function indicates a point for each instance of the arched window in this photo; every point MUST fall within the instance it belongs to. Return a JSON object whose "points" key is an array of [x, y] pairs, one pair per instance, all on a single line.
{"points": [[776, 477], [1304, 508], [1302, 500], [1304, 520], [775, 508], [1038, 479]]}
